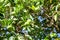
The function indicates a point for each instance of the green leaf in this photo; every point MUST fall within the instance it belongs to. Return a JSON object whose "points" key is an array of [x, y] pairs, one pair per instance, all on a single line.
{"points": [[33, 7], [53, 35], [27, 22], [55, 17], [1, 0]]}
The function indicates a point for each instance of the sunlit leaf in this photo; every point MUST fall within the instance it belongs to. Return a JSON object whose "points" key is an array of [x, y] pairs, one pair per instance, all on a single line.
{"points": [[55, 17], [33, 7], [53, 35], [27, 22], [50, 1]]}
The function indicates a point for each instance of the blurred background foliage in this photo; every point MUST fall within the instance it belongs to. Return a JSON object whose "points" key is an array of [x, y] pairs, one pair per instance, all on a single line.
{"points": [[29, 19]]}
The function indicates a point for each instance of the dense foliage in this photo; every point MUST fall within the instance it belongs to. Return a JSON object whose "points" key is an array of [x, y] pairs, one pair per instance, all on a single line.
{"points": [[29, 19]]}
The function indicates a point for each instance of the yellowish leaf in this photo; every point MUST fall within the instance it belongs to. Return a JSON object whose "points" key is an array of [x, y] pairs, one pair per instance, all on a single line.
{"points": [[33, 7], [55, 17], [50, 1], [27, 22]]}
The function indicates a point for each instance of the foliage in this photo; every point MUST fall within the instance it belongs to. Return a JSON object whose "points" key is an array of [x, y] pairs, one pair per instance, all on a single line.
{"points": [[29, 19]]}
